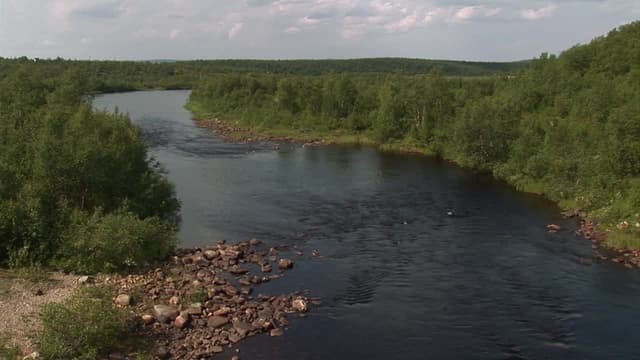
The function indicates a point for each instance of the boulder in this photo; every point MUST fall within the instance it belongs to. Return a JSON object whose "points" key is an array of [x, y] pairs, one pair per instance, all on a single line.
{"points": [[210, 254], [222, 311], [181, 321], [242, 328], [217, 321], [299, 304], [123, 300], [165, 313], [194, 309]]}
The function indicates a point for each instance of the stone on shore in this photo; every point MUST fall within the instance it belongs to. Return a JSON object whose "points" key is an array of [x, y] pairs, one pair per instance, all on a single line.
{"points": [[181, 321], [147, 319], [205, 299], [217, 321], [242, 328], [210, 254], [165, 313]]}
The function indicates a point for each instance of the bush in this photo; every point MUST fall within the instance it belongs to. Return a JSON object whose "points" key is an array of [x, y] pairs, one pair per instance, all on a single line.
{"points": [[85, 326], [115, 242]]}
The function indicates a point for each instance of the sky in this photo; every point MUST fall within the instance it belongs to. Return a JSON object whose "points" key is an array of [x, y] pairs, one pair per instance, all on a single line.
{"points": [[491, 30]]}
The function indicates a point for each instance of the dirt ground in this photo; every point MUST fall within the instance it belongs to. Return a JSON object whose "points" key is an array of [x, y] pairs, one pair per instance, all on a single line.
{"points": [[22, 298]]}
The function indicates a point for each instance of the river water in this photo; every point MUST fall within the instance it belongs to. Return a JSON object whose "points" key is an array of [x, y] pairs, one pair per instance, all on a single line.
{"points": [[399, 279]]}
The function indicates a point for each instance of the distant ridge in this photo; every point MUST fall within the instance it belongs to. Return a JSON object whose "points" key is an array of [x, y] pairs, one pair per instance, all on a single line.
{"points": [[409, 66]]}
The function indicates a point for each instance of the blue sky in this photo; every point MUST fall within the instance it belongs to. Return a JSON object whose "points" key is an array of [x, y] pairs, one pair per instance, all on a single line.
{"points": [[267, 29]]}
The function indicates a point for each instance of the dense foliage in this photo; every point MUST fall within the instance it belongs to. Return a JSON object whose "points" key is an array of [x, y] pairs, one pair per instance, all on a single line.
{"points": [[566, 126], [112, 76], [70, 176]]}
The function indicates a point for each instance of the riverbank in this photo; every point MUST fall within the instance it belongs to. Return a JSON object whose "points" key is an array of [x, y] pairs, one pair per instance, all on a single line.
{"points": [[200, 303], [613, 239], [203, 303]]}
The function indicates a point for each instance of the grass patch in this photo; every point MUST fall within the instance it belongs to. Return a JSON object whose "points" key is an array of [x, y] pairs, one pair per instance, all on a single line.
{"points": [[87, 326], [628, 239], [199, 296], [6, 280], [33, 274], [8, 351]]}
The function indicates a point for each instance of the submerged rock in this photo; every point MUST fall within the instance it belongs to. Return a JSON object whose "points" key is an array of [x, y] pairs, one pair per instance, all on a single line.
{"points": [[285, 264], [300, 304]]}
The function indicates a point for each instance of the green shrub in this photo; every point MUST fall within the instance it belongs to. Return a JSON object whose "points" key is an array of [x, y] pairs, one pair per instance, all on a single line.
{"points": [[115, 242], [85, 326]]}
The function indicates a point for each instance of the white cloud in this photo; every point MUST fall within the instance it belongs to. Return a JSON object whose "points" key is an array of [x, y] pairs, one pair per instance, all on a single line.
{"points": [[466, 13], [174, 33], [143, 29], [403, 24], [477, 11], [537, 14], [292, 30], [235, 30], [308, 21], [433, 15]]}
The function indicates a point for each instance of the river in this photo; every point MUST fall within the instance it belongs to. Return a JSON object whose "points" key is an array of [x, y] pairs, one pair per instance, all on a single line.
{"points": [[399, 279]]}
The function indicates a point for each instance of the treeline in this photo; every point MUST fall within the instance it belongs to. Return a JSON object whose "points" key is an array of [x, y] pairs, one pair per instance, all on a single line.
{"points": [[117, 76], [357, 66], [77, 187], [566, 126]]}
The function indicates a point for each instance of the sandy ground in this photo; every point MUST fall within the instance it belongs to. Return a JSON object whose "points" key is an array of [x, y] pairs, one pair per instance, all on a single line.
{"points": [[20, 306]]}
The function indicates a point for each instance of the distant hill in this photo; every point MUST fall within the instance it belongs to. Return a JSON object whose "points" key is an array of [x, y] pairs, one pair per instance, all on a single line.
{"points": [[370, 65]]}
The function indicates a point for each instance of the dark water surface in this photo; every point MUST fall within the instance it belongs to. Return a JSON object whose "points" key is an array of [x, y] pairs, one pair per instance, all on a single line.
{"points": [[400, 279]]}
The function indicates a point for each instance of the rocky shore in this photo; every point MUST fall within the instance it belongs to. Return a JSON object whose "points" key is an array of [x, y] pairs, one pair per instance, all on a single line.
{"points": [[241, 135], [202, 303], [591, 231]]}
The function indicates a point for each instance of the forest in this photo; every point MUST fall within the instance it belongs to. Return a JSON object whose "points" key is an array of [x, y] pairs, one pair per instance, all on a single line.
{"points": [[79, 191], [117, 76], [565, 126]]}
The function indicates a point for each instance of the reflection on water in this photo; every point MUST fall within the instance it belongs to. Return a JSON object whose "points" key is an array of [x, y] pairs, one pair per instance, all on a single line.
{"points": [[399, 278]]}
